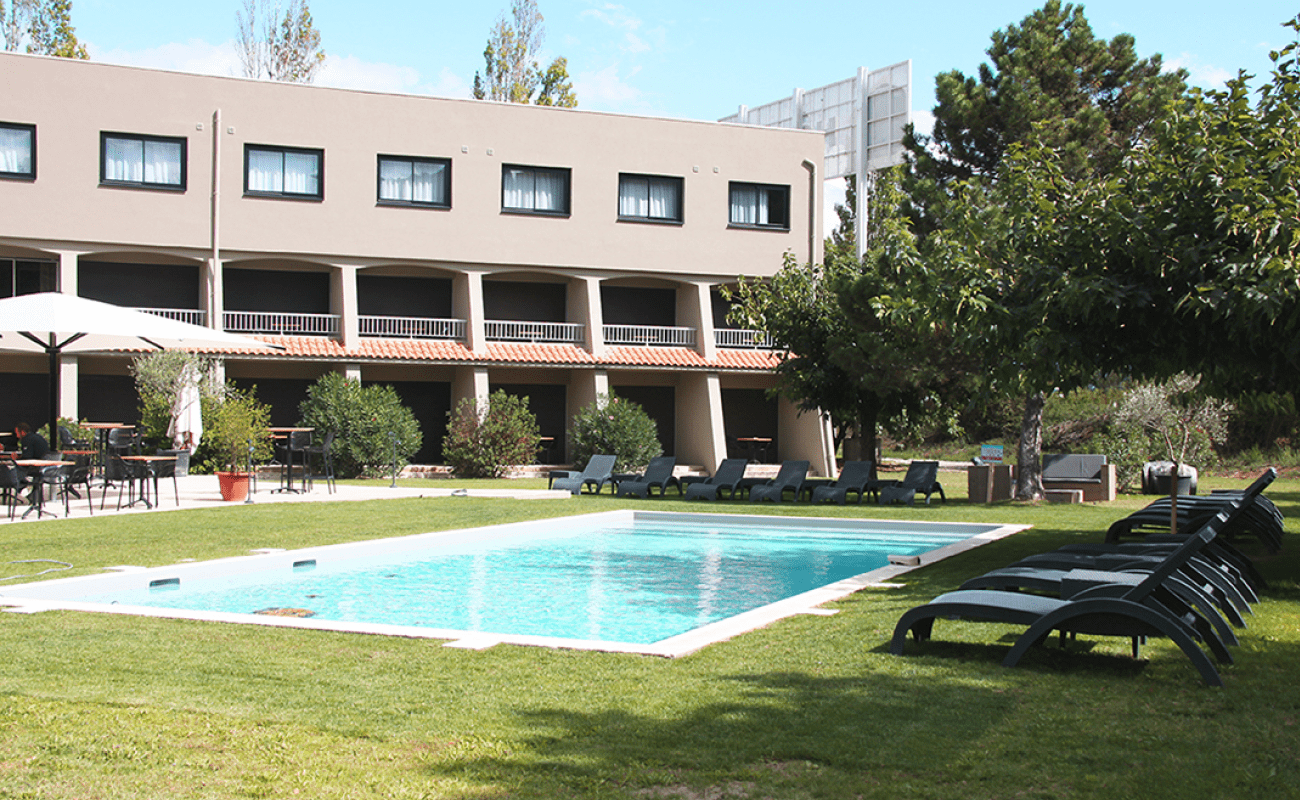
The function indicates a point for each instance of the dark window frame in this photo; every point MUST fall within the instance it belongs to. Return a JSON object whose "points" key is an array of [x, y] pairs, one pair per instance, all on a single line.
{"points": [[677, 181], [379, 181], [104, 136], [319, 153], [565, 172], [22, 176], [784, 189]]}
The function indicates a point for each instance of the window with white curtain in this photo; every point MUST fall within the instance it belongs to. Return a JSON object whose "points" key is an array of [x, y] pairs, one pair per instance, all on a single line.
{"points": [[759, 205], [650, 197], [283, 171], [17, 151], [534, 190], [127, 159], [415, 181]]}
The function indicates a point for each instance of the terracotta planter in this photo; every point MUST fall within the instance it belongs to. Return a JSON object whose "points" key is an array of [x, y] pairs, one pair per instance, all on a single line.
{"points": [[234, 485]]}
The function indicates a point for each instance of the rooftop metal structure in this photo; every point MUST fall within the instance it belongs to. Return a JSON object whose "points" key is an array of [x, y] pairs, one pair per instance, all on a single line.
{"points": [[863, 117]]}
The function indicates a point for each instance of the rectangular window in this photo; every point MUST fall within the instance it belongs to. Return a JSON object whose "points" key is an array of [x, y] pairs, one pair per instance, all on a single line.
{"points": [[284, 172], [758, 205], [20, 276], [156, 162], [650, 198], [17, 151], [535, 190], [415, 181]]}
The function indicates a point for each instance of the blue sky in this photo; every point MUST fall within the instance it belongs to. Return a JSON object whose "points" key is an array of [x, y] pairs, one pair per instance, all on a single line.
{"points": [[675, 58], [680, 58]]}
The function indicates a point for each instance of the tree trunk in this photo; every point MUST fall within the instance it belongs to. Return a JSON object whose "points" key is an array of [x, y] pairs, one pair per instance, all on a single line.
{"points": [[868, 421], [1029, 470]]}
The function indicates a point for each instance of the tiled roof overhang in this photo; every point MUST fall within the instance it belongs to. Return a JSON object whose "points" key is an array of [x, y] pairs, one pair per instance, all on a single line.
{"points": [[505, 353]]}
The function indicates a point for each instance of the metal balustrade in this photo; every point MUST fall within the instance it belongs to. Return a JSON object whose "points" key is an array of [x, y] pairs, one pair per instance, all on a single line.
{"points": [[411, 327], [282, 323], [190, 315], [649, 335], [738, 337], [526, 331]]}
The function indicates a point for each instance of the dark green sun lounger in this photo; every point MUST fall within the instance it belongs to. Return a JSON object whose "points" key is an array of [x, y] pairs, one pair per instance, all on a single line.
{"points": [[1131, 609]]}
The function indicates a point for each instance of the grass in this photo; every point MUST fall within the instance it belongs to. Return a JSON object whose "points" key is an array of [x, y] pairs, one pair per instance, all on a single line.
{"points": [[812, 707]]}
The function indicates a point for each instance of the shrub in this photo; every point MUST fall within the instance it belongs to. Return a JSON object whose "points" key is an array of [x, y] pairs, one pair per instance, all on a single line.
{"points": [[483, 444], [612, 425], [232, 422], [369, 423], [1183, 423]]}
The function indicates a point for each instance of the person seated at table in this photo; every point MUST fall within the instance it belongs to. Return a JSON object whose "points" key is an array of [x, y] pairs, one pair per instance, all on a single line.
{"points": [[31, 445]]}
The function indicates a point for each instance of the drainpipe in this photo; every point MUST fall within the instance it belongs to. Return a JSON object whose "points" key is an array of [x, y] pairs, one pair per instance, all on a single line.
{"points": [[812, 209], [214, 304]]}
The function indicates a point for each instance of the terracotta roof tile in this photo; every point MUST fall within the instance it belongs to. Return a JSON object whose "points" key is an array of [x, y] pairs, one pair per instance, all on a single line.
{"points": [[443, 350]]}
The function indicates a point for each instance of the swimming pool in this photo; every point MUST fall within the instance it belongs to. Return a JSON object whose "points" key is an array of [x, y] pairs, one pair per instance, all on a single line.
{"points": [[648, 582]]}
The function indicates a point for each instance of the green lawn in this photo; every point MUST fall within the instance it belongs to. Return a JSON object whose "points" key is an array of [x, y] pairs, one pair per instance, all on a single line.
{"points": [[812, 707]]}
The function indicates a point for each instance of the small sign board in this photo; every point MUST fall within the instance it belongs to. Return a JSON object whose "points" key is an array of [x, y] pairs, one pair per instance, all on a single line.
{"points": [[991, 453]]}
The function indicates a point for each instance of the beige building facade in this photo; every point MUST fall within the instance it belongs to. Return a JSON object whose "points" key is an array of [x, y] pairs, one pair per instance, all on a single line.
{"points": [[446, 247]]}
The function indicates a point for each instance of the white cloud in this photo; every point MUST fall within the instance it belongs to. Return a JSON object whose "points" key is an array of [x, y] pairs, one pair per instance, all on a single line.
{"points": [[195, 56], [606, 90], [619, 18], [340, 72], [1206, 76]]}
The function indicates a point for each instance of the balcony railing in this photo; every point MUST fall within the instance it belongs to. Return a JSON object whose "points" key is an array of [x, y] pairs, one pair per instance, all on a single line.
{"points": [[650, 335], [281, 324], [412, 327], [525, 331], [190, 315], [737, 337]]}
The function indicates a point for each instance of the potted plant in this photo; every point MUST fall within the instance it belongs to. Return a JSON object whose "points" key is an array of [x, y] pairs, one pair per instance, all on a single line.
{"points": [[236, 429]]}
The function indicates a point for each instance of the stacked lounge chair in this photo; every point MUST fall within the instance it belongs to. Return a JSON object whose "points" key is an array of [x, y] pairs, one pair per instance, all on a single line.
{"points": [[1260, 518], [1132, 609], [1190, 590]]}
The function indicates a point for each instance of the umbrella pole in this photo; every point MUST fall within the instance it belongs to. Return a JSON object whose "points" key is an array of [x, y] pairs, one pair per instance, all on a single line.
{"points": [[54, 398]]}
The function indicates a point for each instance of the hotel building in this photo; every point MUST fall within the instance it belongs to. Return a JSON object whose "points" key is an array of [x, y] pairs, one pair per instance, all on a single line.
{"points": [[446, 247]]}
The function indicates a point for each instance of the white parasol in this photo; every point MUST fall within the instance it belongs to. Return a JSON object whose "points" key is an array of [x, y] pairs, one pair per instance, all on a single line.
{"points": [[55, 323]]}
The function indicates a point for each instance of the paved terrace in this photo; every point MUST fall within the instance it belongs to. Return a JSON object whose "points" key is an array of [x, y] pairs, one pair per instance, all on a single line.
{"points": [[200, 491]]}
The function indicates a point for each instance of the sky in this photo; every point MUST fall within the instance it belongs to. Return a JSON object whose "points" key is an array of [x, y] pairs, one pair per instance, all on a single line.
{"points": [[691, 59]]}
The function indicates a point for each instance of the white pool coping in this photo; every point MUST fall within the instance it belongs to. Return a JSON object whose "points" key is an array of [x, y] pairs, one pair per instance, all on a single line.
{"points": [[30, 598]]}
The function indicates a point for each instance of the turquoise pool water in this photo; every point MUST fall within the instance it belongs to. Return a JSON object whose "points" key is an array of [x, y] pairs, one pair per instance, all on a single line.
{"points": [[637, 581]]}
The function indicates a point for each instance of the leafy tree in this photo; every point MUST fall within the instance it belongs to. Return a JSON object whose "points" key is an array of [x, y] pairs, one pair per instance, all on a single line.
{"points": [[842, 243], [1050, 80], [485, 443], [511, 72], [854, 348], [1184, 421], [1079, 103], [160, 377], [615, 426], [44, 26], [278, 44], [1214, 229], [370, 422]]}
